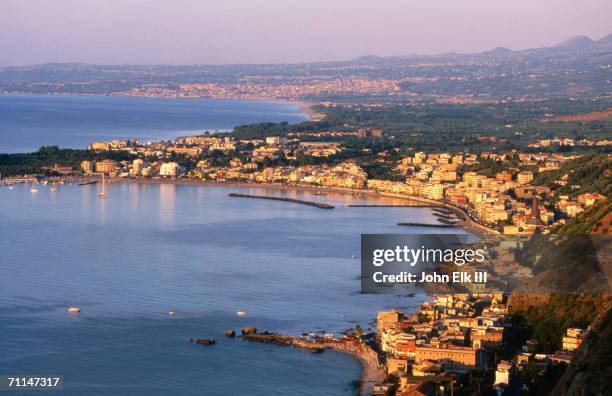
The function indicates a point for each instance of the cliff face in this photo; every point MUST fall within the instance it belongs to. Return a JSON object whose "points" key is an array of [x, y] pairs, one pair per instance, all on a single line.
{"points": [[590, 373]]}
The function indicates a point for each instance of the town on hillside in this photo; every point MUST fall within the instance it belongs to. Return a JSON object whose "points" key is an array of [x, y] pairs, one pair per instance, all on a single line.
{"points": [[464, 344]]}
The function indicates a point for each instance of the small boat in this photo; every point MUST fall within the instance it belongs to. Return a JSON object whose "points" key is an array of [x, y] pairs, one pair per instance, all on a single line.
{"points": [[171, 313], [10, 187], [33, 189], [53, 189], [74, 310], [241, 313], [353, 257]]}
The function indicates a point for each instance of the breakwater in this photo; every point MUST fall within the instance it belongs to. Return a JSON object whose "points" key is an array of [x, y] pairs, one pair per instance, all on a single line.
{"points": [[283, 199], [390, 206], [372, 372], [427, 225]]}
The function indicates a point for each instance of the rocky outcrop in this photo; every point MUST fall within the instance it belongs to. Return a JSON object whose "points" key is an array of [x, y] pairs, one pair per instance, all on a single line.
{"points": [[249, 330]]}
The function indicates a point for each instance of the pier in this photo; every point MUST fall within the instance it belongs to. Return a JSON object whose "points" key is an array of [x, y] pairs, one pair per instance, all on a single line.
{"points": [[428, 225], [283, 199], [17, 180]]}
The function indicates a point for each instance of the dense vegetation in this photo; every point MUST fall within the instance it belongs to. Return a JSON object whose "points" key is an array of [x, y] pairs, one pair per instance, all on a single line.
{"points": [[47, 156], [588, 174], [450, 127], [547, 322], [261, 130], [490, 167]]}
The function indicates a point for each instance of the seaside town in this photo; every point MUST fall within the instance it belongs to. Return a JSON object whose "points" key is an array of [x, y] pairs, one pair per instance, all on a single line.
{"points": [[344, 198], [460, 343], [506, 202]]}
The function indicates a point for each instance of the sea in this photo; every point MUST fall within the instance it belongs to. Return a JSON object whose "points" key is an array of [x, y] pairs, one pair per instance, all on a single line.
{"points": [[149, 249], [28, 122]]}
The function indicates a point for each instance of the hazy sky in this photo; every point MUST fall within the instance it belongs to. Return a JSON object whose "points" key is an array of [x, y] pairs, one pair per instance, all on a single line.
{"points": [[274, 31]]}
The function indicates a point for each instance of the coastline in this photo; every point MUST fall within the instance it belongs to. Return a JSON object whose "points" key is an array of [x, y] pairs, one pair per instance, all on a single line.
{"points": [[468, 223], [371, 371], [300, 112], [307, 108]]}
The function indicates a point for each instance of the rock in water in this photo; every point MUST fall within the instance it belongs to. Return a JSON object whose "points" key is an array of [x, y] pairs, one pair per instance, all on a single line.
{"points": [[249, 330], [206, 341]]}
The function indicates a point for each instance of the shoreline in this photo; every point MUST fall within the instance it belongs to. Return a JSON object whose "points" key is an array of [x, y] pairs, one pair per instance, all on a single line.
{"points": [[468, 223], [301, 107], [371, 371]]}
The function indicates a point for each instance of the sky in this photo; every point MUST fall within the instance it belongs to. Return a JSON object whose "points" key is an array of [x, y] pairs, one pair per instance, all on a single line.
{"points": [[282, 31]]}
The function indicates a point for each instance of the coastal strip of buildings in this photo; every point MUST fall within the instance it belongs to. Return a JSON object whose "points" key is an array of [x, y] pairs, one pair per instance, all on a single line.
{"points": [[507, 202]]}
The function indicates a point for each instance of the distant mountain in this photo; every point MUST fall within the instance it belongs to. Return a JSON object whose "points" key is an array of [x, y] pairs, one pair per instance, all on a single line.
{"points": [[575, 42], [498, 51], [605, 40]]}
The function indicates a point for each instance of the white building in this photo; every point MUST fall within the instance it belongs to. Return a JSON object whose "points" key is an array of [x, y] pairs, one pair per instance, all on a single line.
{"points": [[502, 374], [276, 140], [170, 169]]}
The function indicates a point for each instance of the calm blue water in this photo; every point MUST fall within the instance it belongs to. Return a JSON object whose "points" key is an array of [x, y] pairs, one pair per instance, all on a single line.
{"points": [[30, 121], [147, 249]]}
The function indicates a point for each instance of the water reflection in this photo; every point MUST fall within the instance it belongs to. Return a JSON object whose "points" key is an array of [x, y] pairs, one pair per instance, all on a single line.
{"points": [[167, 203]]}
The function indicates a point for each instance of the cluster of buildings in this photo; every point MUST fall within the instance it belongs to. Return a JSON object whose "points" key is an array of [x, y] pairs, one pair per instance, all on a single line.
{"points": [[257, 150], [135, 168], [569, 142], [507, 201], [450, 337], [254, 88], [344, 175]]}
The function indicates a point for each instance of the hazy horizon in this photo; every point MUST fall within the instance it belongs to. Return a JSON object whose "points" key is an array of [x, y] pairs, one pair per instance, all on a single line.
{"points": [[274, 31]]}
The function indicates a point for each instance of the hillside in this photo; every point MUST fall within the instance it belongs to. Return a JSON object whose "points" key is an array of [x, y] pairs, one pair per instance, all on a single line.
{"points": [[590, 372], [595, 220], [588, 117], [588, 174], [548, 316]]}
